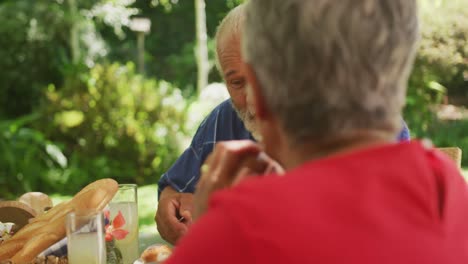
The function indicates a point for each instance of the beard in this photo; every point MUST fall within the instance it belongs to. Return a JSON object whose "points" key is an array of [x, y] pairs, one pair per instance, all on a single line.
{"points": [[248, 118]]}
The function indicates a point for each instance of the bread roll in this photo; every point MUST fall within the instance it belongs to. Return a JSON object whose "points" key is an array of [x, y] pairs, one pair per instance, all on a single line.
{"points": [[38, 201], [16, 212], [156, 254]]}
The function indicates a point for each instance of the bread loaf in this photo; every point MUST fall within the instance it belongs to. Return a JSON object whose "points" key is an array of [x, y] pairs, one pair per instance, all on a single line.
{"points": [[156, 254], [38, 201]]}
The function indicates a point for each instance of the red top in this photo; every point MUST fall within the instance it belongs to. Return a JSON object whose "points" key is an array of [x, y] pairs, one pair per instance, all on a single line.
{"points": [[391, 204]]}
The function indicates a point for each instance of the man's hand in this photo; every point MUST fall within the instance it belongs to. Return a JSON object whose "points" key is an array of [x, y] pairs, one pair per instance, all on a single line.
{"points": [[174, 214], [228, 164]]}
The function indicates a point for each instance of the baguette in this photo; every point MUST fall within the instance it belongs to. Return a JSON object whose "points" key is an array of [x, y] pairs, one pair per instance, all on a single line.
{"points": [[38, 201], [49, 228], [9, 249], [33, 247], [52, 213]]}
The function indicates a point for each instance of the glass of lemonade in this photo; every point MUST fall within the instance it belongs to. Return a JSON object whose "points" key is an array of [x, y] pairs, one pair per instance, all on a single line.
{"points": [[85, 234], [125, 201]]}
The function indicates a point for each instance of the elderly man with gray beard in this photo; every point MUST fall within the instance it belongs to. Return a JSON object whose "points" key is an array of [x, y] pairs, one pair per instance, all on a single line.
{"points": [[350, 193], [231, 120]]}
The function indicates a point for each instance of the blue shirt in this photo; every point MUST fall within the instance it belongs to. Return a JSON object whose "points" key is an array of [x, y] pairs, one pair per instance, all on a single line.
{"points": [[220, 125]]}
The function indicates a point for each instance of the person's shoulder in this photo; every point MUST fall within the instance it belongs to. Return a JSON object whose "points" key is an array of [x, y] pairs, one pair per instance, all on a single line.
{"points": [[225, 109], [226, 105], [226, 124], [210, 121], [220, 112]]}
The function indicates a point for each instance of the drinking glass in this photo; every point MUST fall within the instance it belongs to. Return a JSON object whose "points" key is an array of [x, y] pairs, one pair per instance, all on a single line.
{"points": [[85, 234], [125, 201]]}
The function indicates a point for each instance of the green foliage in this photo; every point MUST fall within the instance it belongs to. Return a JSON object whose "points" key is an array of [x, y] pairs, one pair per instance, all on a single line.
{"points": [[43, 37], [29, 60], [111, 122], [441, 61], [439, 71], [114, 123], [444, 49], [27, 158], [423, 92], [170, 45], [40, 38], [450, 134]]}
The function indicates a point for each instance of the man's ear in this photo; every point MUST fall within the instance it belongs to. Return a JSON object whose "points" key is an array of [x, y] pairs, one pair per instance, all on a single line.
{"points": [[259, 104]]}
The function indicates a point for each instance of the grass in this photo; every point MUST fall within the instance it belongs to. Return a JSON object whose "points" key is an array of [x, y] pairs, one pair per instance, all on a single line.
{"points": [[465, 173]]}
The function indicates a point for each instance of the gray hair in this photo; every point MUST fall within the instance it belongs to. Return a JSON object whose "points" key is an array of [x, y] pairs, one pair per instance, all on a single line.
{"points": [[231, 25], [328, 67]]}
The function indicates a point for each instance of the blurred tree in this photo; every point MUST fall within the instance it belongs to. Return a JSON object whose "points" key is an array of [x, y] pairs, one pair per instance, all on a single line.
{"points": [[171, 45], [443, 53], [43, 38], [441, 66], [114, 123], [28, 62], [203, 65], [26, 158]]}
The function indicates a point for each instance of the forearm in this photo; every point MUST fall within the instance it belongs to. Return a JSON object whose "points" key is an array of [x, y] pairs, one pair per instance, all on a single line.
{"points": [[163, 184]]}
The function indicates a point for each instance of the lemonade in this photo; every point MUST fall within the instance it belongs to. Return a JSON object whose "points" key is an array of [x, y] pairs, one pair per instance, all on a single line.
{"points": [[129, 245], [86, 248]]}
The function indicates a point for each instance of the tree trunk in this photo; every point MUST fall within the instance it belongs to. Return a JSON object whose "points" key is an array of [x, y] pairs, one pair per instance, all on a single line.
{"points": [[202, 46]]}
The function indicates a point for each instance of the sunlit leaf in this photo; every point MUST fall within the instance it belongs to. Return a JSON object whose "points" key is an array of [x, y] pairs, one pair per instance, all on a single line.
{"points": [[69, 118]]}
